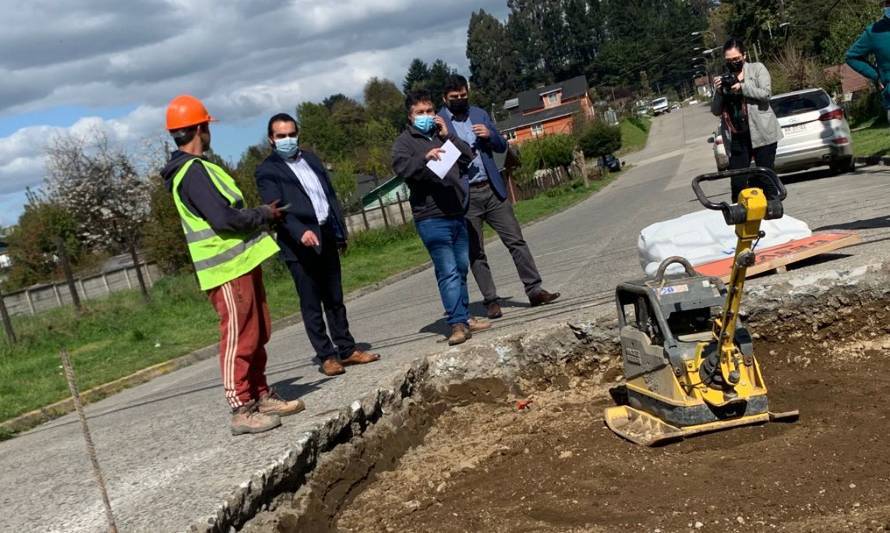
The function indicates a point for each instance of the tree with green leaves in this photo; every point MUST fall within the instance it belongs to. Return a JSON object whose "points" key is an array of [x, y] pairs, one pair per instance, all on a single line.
{"points": [[320, 132], [32, 246], [418, 74], [493, 62], [384, 102], [599, 139]]}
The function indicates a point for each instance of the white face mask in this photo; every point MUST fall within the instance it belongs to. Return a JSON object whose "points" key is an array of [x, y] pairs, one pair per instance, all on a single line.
{"points": [[287, 147]]}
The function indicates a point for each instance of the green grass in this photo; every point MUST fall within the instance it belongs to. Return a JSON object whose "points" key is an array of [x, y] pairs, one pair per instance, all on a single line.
{"points": [[119, 335], [872, 140], [634, 133]]}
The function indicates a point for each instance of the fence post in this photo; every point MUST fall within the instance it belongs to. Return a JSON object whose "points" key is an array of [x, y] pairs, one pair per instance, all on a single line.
{"points": [[83, 289], [401, 208], [69, 277], [105, 282], [142, 288], [58, 296], [7, 323], [127, 276], [365, 218], [30, 302], [383, 211]]}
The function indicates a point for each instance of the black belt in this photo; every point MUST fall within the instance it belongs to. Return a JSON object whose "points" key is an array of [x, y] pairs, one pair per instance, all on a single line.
{"points": [[479, 184]]}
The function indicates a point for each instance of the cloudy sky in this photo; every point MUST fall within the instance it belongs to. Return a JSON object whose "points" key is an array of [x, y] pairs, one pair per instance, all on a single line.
{"points": [[115, 64]]}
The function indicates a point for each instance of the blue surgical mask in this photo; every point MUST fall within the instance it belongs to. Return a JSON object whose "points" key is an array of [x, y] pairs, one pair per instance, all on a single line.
{"points": [[287, 147], [887, 12], [424, 123]]}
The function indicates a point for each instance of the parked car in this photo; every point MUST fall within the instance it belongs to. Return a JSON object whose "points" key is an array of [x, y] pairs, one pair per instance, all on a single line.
{"points": [[611, 162], [659, 106], [816, 132]]}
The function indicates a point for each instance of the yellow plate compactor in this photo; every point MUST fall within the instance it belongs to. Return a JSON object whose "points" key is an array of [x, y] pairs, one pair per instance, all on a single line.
{"points": [[689, 363]]}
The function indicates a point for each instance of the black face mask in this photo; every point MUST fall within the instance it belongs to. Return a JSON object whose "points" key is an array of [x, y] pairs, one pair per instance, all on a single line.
{"points": [[735, 66], [458, 106]]}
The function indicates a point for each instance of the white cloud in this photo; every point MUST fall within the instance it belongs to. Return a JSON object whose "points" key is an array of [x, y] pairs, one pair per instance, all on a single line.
{"points": [[244, 59]]}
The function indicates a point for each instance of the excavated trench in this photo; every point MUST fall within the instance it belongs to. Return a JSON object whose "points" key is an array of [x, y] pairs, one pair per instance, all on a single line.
{"points": [[470, 455]]}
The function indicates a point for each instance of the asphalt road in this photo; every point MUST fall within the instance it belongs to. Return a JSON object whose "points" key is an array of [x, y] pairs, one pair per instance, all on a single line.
{"points": [[165, 446]]}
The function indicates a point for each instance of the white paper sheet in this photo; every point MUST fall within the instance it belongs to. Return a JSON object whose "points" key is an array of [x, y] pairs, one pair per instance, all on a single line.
{"points": [[448, 158]]}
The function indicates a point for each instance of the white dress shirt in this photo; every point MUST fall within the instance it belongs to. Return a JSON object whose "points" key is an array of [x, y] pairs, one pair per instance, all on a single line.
{"points": [[312, 186]]}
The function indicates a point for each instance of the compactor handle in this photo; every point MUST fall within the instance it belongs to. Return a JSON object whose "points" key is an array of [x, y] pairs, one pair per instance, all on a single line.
{"points": [[659, 275], [735, 214]]}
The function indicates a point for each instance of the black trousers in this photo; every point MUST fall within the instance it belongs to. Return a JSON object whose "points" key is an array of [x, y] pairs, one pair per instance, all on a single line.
{"points": [[318, 280], [485, 206], [740, 156]]}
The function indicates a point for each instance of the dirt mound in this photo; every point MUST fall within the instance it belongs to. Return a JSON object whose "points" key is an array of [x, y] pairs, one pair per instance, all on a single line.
{"points": [[458, 464]]}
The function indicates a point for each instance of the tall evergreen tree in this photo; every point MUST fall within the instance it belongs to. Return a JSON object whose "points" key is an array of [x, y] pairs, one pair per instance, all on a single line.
{"points": [[494, 75], [439, 72], [418, 74]]}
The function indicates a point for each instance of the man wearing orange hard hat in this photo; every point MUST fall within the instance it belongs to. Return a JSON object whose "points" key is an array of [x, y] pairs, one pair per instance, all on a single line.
{"points": [[227, 243]]}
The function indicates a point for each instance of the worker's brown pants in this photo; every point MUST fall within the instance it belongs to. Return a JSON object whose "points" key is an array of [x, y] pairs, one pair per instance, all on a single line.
{"points": [[244, 329]]}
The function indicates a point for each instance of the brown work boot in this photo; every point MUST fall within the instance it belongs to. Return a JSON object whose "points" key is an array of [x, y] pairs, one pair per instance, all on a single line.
{"points": [[247, 419], [360, 357], [331, 366], [478, 325], [460, 334], [493, 310], [271, 403], [542, 297]]}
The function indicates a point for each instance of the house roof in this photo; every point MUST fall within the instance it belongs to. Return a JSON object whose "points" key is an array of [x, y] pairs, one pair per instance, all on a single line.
{"points": [[520, 121], [571, 88], [851, 81]]}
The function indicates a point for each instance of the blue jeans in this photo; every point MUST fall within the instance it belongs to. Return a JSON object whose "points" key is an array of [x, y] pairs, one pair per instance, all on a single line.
{"points": [[448, 243]]}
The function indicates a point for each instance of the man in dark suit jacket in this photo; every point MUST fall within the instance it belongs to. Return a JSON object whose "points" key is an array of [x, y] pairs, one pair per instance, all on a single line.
{"points": [[488, 198], [310, 236]]}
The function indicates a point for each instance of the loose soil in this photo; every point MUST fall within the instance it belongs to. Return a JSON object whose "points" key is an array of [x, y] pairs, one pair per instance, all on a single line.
{"points": [[475, 462]]}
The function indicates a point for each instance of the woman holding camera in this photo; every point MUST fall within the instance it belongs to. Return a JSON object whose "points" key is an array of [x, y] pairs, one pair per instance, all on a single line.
{"points": [[750, 127]]}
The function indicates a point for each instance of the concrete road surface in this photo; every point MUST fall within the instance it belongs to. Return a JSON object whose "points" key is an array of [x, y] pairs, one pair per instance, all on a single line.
{"points": [[165, 446]]}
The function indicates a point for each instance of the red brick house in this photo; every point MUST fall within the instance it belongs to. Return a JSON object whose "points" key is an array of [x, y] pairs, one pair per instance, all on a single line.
{"points": [[853, 84], [546, 110]]}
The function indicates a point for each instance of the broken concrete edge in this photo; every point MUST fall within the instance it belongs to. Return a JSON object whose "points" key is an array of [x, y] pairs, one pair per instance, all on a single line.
{"points": [[26, 421], [515, 356], [541, 355]]}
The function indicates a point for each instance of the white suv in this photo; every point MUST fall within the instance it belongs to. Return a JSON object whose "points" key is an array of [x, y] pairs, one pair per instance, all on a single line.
{"points": [[816, 132]]}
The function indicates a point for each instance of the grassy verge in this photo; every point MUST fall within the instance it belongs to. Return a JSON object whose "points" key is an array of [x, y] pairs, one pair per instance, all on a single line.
{"points": [[634, 133], [872, 140], [119, 335]]}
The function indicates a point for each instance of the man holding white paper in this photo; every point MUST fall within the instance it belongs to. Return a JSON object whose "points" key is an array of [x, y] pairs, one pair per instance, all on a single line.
{"points": [[439, 199]]}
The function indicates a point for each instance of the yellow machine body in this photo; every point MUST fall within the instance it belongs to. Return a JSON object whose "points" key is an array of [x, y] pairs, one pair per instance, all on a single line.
{"points": [[688, 361]]}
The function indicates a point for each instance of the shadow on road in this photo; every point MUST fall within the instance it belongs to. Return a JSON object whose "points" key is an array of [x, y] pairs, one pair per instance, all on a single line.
{"points": [[869, 223]]}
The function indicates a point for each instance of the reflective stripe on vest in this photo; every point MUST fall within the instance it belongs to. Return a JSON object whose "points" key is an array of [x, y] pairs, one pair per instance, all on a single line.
{"points": [[219, 257]]}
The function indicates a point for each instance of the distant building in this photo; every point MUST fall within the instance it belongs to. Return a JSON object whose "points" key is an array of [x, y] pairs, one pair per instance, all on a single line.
{"points": [[853, 84], [5, 261], [546, 110], [703, 86]]}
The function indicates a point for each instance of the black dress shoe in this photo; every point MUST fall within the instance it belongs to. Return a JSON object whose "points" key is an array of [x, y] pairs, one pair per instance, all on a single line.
{"points": [[493, 310], [542, 297]]}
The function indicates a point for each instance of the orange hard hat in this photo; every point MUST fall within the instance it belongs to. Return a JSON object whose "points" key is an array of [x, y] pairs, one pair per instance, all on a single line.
{"points": [[184, 111]]}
